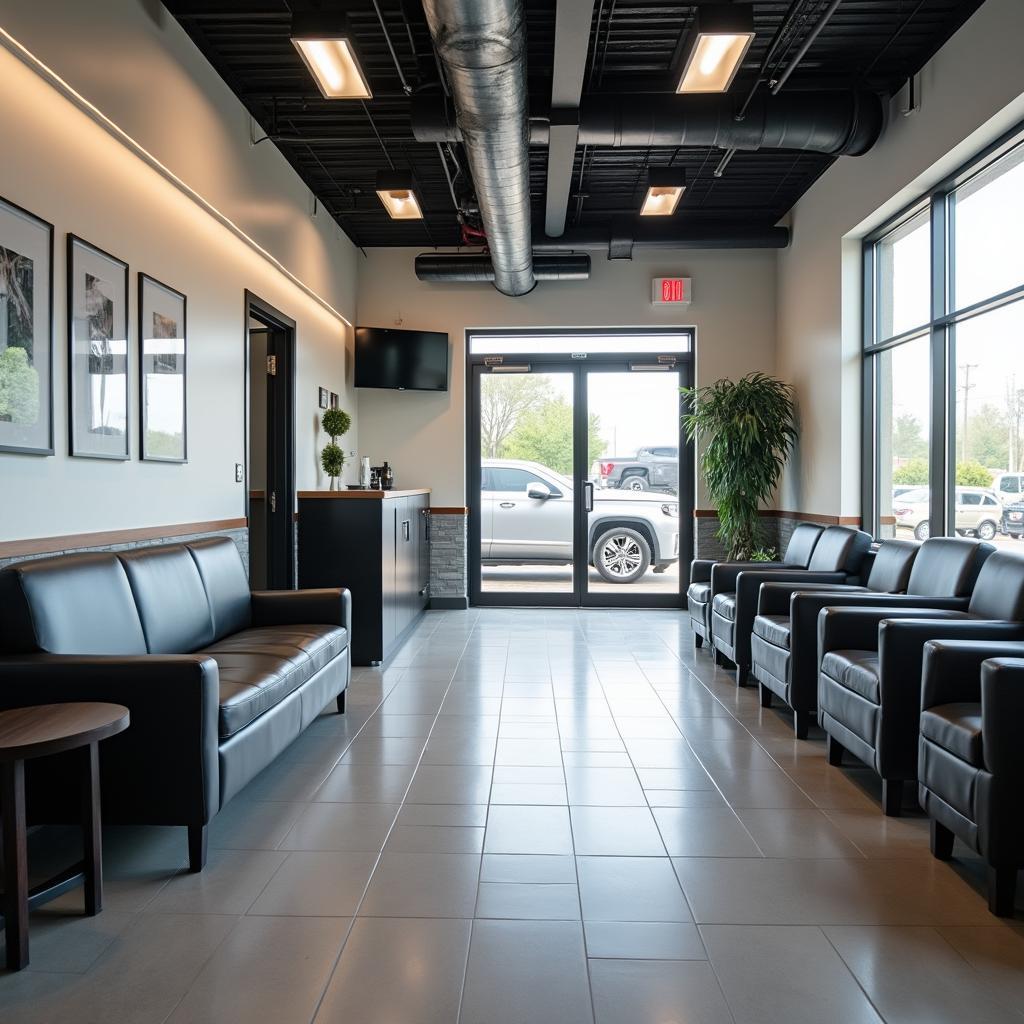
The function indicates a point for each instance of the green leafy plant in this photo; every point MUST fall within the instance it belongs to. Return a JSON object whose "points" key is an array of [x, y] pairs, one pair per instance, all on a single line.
{"points": [[972, 474], [747, 429], [763, 555], [336, 422]]}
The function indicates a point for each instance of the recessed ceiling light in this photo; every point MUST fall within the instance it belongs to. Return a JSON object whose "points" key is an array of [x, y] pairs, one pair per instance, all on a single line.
{"points": [[665, 187], [326, 46], [719, 40], [395, 191]]}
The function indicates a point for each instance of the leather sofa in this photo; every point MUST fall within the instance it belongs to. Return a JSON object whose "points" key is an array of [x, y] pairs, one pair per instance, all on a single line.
{"points": [[838, 557], [701, 590], [970, 758], [869, 685], [218, 679]]}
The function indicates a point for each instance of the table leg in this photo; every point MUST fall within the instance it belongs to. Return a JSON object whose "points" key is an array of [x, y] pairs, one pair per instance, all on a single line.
{"points": [[92, 840], [12, 808]]}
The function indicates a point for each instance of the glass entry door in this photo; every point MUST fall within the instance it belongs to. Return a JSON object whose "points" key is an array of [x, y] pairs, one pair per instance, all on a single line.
{"points": [[576, 479]]}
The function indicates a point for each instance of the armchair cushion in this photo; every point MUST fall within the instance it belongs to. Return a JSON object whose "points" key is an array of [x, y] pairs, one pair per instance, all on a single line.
{"points": [[699, 593], [774, 629], [857, 671], [725, 605], [956, 728]]}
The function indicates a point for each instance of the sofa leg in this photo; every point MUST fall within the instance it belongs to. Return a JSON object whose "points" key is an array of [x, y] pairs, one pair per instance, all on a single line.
{"points": [[741, 675], [892, 797], [766, 695], [197, 836], [940, 839], [698, 641], [801, 724], [341, 702], [834, 751], [719, 658], [1002, 890]]}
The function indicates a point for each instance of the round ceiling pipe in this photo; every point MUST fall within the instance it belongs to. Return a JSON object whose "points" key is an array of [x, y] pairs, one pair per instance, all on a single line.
{"points": [[439, 267]]}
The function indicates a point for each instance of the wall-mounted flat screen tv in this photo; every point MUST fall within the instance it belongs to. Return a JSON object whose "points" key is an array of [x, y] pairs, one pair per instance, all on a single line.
{"points": [[401, 360]]}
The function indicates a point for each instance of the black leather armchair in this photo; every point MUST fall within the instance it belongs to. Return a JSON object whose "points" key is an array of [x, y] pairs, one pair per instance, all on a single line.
{"points": [[869, 684], [701, 590], [218, 680], [784, 640], [970, 757], [837, 558]]}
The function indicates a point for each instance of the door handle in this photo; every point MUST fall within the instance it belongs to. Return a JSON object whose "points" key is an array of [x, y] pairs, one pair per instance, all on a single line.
{"points": [[588, 495], [507, 504], [405, 529]]}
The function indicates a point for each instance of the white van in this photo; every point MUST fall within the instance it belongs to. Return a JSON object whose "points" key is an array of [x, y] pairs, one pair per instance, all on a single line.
{"points": [[1009, 487]]}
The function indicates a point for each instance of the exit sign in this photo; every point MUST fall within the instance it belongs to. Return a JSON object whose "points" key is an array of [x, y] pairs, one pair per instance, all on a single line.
{"points": [[671, 291]]}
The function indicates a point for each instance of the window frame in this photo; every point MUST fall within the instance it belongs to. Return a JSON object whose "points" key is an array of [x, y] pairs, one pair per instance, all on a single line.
{"points": [[941, 331]]}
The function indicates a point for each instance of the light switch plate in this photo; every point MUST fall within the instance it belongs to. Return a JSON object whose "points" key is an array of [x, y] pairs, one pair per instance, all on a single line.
{"points": [[239, 473]]}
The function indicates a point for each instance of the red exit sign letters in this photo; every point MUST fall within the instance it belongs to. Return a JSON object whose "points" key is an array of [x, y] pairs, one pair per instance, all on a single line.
{"points": [[671, 291]]}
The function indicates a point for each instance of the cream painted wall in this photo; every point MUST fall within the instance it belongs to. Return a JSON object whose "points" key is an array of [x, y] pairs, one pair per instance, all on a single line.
{"points": [[423, 435], [972, 92], [67, 169], [133, 61]]}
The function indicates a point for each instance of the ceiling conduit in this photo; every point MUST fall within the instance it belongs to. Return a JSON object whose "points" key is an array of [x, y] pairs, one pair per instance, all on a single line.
{"points": [[482, 46], [478, 267]]}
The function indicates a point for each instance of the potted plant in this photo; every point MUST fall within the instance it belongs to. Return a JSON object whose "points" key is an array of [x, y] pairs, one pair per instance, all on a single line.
{"points": [[335, 423], [747, 429]]}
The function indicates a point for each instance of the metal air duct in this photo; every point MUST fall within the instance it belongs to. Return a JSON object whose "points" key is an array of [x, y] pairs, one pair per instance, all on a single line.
{"points": [[481, 45], [478, 267]]}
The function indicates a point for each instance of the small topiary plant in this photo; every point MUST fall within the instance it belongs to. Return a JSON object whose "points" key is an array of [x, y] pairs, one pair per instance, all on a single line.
{"points": [[335, 422]]}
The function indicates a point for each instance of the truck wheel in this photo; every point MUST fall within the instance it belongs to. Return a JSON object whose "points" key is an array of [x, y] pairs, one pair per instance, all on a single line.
{"points": [[622, 555], [635, 483]]}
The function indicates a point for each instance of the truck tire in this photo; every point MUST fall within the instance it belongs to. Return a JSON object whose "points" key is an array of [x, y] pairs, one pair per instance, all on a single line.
{"points": [[636, 482], [621, 555]]}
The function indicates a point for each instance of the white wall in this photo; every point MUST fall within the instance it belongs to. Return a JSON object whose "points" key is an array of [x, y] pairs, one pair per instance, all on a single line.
{"points": [[972, 92], [424, 435], [68, 170]]}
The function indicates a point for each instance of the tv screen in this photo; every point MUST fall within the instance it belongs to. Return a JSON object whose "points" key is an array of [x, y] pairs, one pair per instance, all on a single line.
{"points": [[401, 360]]}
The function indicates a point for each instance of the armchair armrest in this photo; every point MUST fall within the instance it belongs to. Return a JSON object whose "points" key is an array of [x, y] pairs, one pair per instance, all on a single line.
{"points": [[1002, 708], [775, 598], [951, 669], [165, 765], [856, 628], [327, 607], [724, 574], [700, 570]]}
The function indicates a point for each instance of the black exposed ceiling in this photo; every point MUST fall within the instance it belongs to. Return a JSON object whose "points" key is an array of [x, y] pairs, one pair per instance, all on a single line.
{"points": [[338, 146]]}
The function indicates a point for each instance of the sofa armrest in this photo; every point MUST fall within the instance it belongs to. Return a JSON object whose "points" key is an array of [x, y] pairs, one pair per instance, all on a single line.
{"points": [[165, 766], [700, 570], [856, 628], [326, 607], [951, 669], [1002, 711], [775, 598]]}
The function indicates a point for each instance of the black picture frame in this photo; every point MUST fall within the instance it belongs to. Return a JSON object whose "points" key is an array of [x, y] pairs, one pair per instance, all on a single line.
{"points": [[323, 397], [14, 439], [334, 400], [169, 363], [93, 356]]}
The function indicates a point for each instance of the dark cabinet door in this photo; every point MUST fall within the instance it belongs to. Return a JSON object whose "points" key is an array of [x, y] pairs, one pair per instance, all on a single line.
{"points": [[390, 627], [422, 550]]}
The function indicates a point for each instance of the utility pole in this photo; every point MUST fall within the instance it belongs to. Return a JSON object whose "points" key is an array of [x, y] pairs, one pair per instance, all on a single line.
{"points": [[966, 388]]}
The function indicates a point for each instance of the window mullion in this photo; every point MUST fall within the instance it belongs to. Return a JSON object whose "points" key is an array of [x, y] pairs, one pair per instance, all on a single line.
{"points": [[940, 464]]}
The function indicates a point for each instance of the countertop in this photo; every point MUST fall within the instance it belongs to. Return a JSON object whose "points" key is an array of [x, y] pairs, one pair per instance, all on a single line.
{"points": [[405, 493]]}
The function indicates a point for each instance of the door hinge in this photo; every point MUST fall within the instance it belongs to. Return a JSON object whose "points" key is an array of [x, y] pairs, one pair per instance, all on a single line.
{"points": [[272, 366], [273, 501]]}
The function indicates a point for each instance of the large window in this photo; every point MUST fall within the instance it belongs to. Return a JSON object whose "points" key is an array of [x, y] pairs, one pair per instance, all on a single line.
{"points": [[944, 359]]}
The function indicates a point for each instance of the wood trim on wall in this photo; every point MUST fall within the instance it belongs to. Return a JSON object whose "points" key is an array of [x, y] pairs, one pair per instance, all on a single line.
{"points": [[448, 510], [803, 517], [105, 538]]}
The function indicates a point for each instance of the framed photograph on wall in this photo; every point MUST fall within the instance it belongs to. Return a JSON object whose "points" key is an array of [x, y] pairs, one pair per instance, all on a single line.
{"points": [[163, 385], [26, 332], [97, 352]]}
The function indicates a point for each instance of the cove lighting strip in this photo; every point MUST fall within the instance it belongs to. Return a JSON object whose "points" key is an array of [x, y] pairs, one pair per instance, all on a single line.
{"points": [[69, 92]]}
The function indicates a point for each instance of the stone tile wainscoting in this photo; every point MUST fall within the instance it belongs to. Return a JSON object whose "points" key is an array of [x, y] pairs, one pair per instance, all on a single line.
{"points": [[777, 528], [448, 542]]}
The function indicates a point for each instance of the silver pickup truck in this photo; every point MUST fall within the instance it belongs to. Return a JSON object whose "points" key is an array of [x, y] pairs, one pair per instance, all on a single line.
{"points": [[650, 469]]}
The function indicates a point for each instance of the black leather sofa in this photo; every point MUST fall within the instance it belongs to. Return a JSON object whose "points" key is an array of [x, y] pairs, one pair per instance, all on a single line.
{"points": [[869, 686], [970, 757], [218, 680], [784, 639], [838, 557], [702, 588]]}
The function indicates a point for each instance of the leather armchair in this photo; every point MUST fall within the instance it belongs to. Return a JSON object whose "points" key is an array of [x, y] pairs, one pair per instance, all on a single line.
{"points": [[701, 590], [970, 758], [837, 558], [869, 683], [784, 649]]}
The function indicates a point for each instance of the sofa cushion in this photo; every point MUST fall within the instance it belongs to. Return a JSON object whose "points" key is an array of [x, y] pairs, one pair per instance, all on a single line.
{"points": [[260, 667], [725, 605], [699, 592], [227, 588], [856, 671], [956, 728], [170, 597], [773, 628], [770, 664]]}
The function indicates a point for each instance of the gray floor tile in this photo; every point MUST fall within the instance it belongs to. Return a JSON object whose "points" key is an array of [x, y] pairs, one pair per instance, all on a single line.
{"points": [[654, 991], [253, 824], [604, 787], [436, 839], [316, 884], [365, 784], [423, 885], [229, 884], [786, 832], [630, 889], [540, 793], [514, 829], [704, 832], [450, 784], [384, 750], [616, 832], [358, 828], [469, 815], [514, 867], [643, 940], [529, 901], [996, 952]]}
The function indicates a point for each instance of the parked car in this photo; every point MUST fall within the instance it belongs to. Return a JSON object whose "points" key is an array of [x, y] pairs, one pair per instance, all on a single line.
{"points": [[650, 468], [526, 518], [1013, 519], [978, 512]]}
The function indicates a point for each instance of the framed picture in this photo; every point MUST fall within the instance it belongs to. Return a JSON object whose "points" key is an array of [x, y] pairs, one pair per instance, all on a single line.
{"points": [[26, 332], [97, 352], [323, 398], [163, 384], [334, 399]]}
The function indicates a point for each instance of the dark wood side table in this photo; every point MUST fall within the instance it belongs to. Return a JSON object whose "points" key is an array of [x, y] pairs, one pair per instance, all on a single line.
{"points": [[37, 732]]}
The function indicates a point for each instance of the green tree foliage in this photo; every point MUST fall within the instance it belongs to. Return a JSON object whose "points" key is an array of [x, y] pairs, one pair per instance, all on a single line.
{"points": [[747, 429], [908, 440], [332, 458], [504, 400], [988, 437], [972, 474], [335, 422], [544, 435], [19, 387], [913, 472]]}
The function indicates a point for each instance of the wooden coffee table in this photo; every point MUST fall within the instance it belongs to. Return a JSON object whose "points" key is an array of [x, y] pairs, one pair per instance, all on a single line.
{"points": [[38, 732]]}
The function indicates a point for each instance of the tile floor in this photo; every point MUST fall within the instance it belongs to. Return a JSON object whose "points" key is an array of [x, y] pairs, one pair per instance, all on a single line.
{"points": [[536, 817]]}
